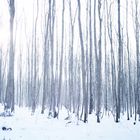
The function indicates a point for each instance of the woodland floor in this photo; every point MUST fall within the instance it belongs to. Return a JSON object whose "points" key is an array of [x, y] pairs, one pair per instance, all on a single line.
{"points": [[39, 127]]}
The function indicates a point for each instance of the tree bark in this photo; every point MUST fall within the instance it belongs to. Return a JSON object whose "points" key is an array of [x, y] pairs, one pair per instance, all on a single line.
{"points": [[85, 94], [9, 98], [118, 107]]}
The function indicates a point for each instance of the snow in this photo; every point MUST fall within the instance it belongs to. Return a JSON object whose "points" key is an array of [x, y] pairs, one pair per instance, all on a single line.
{"points": [[39, 127]]}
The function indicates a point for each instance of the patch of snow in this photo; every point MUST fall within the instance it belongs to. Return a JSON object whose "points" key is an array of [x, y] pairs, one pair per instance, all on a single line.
{"points": [[38, 127]]}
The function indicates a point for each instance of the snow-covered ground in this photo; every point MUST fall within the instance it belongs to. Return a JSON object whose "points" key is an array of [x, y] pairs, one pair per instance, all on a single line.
{"points": [[38, 127]]}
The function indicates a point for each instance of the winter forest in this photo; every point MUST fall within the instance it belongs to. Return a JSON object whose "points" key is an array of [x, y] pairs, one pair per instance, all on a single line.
{"points": [[81, 55]]}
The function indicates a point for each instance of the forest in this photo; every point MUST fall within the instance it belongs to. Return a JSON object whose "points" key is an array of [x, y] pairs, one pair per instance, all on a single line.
{"points": [[83, 55]]}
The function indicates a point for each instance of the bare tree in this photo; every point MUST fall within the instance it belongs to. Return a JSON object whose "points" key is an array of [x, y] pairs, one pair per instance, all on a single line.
{"points": [[45, 58], [137, 29], [113, 64], [129, 95], [118, 104], [53, 96], [34, 61], [9, 98], [91, 58], [61, 59], [98, 63], [71, 57], [85, 94]]}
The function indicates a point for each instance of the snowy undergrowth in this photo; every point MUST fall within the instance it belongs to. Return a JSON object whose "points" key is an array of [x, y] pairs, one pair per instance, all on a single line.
{"points": [[38, 127]]}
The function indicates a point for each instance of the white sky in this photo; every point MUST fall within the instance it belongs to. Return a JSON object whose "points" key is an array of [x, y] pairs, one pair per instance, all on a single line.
{"points": [[24, 19]]}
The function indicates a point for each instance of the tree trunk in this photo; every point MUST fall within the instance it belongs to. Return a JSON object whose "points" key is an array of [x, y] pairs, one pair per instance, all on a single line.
{"points": [[118, 107], [137, 28], [61, 59], [90, 65], [9, 99], [98, 63], [85, 94]]}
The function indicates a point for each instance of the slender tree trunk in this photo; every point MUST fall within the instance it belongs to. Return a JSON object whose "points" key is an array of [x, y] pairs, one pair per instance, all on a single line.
{"points": [[9, 99], [61, 59], [52, 60], [137, 26], [106, 70], [71, 59], [90, 65], [113, 65], [46, 59], [34, 57], [98, 63], [118, 107], [129, 74], [85, 94], [95, 48]]}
